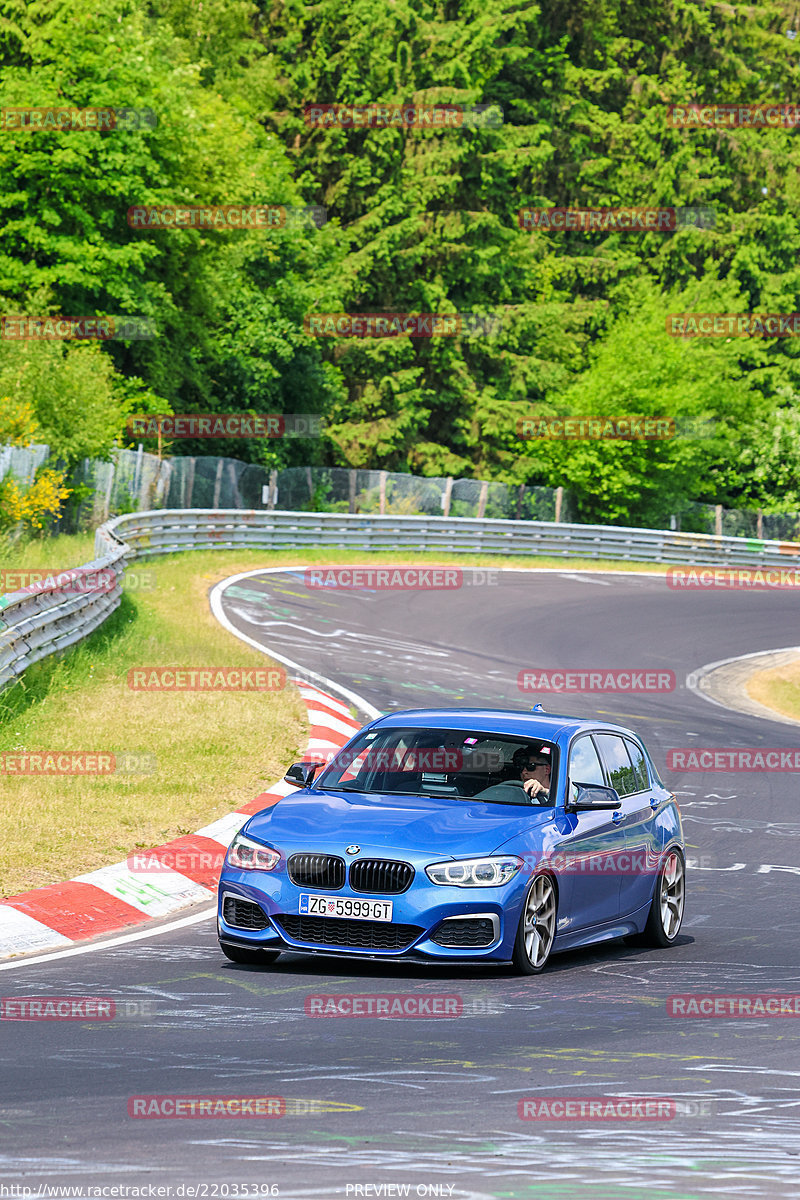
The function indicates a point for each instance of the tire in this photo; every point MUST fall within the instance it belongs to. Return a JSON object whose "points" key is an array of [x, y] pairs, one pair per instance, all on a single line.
{"points": [[251, 958], [669, 898], [537, 926]]}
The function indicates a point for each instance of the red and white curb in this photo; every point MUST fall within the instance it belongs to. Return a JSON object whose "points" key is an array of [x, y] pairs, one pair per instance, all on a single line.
{"points": [[117, 897]]}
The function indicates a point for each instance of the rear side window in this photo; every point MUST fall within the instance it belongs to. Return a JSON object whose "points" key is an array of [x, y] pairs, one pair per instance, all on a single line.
{"points": [[618, 763], [640, 770], [584, 764]]}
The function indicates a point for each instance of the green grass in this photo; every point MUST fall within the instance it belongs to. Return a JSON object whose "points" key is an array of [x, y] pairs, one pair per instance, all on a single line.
{"points": [[60, 552], [214, 751], [778, 688]]}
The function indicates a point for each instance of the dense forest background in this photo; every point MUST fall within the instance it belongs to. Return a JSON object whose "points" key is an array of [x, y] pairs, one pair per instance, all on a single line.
{"points": [[419, 221]]}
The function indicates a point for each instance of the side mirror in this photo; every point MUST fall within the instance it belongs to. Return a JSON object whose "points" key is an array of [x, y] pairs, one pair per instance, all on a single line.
{"points": [[300, 774], [592, 796]]}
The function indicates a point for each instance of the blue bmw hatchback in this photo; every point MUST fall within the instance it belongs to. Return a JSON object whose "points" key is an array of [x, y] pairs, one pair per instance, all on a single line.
{"points": [[460, 834]]}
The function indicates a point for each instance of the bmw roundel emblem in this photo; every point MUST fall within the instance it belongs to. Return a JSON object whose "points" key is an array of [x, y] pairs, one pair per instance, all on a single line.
{"points": [[352, 849]]}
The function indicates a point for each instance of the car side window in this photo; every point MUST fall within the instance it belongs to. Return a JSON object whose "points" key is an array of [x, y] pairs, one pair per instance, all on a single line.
{"points": [[618, 762], [584, 765], [640, 770]]}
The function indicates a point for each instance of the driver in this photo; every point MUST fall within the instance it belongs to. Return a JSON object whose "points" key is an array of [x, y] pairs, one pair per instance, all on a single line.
{"points": [[534, 772], [534, 780]]}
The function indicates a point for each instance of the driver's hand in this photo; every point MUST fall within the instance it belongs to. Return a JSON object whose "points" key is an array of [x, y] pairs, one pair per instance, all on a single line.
{"points": [[533, 787]]}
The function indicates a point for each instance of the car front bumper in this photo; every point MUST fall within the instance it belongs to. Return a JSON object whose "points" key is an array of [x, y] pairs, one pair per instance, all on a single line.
{"points": [[423, 910]]}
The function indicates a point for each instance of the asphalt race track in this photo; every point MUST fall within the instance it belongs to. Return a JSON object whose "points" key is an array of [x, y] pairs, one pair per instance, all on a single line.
{"points": [[432, 1103]]}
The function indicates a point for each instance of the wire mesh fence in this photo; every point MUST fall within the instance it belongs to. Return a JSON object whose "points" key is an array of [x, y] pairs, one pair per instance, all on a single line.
{"points": [[133, 481], [22, 462], [738, 522]]}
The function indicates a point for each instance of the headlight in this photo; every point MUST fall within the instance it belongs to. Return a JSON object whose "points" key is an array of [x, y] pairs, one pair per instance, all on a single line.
{"points": [[475, 872], [248, 855]]}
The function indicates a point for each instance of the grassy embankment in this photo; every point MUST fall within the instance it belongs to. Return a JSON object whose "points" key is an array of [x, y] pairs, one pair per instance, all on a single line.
{"points": [[778, 688]]}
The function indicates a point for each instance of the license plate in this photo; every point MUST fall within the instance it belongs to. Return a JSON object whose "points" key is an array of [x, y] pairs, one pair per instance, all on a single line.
{"points": [[341, 906]]}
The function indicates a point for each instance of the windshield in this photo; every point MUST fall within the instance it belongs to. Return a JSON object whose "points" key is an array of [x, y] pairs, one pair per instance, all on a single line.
{"points": [[466, 764]]}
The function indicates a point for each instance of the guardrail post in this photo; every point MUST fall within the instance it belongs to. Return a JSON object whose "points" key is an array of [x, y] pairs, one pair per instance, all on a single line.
{"points": [[482, 500], [559, 500], [448, 493], [382, 509]]}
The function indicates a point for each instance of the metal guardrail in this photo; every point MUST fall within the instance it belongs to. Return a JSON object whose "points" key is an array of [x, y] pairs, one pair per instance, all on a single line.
{"points": [[36, 624]]}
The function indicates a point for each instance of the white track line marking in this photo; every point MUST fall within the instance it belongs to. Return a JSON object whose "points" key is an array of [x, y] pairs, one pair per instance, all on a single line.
{"points": [[122, 940]]}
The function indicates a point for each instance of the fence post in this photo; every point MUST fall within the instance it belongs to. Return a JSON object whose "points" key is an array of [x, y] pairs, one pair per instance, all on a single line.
{"points": [[189, 483], [520, 494], [482, 500], [559, 499], [310, 482], [352, 490], [237, 497], [111, 474], [137, 471], [718, 520], [164, 481], [272, 494], [383, 493], [760, 523], [448, 492], [217, 483]]}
